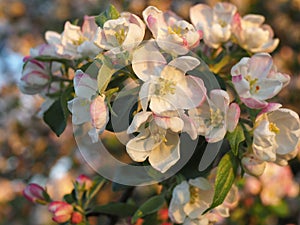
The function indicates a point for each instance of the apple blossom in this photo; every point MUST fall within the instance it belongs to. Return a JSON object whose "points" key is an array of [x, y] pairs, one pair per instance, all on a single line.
{"points": [[35, 193], [190, 199], [256, 79], [62, 211], [276, 136], [165, 85], [173, 34], [158, 139], [84, 182], [36, 75], [88, 105], [215, 23], [215, 116], [75, 42], [252, 35], [127, 32]]}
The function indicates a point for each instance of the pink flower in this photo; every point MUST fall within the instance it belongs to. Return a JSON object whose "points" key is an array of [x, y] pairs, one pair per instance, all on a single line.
{"points": [[84, 182], [62, 211], [35, 193], [252, 35], [256, 79], [172, 33]]}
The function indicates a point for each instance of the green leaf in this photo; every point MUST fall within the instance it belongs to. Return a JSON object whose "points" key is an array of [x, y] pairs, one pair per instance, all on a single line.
{"points": [[235, 138], [55, 118], [104, 75], [151, 206], [70, 198], [224, 179], [116, 209], [110, 13]]}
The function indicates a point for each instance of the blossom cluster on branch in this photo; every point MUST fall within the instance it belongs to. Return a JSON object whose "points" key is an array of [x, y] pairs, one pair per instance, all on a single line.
{"points": [[212, 79]]}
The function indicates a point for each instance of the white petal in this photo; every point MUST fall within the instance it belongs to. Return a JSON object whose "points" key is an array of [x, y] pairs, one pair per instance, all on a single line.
{"points": [[219, 98], [154, 19], [166, 154], [141, 146], [181, 193], [147, 60], [260, 65], [173, 123], [201, 15], [137, 121], [201, 183], [80, 109], [233, 116], [185, 63], [84, 85], [264, 143]]}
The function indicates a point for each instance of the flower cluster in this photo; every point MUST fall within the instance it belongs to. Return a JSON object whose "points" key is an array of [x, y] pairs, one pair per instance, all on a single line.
{"points": [[84, 69]]}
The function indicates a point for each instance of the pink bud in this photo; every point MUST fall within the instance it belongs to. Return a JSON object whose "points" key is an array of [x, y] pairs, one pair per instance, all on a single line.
{"points": [[62, 211], [84, 182], [34, 193], [76, 218]]}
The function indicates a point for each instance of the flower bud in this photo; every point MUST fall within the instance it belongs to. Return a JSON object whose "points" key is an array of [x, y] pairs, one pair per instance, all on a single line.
{"points": [[252, 165], [35, 193], [84, 182], [62, 211], [35, 77], [76, 218]]}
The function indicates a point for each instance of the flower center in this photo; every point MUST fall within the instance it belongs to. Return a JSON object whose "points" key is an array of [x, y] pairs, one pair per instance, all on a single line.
{"points": [[273, 128], [79, 41], [194, 194], [120, 35], [164, 87], [222, 23], [254, 88], [216, 118]]}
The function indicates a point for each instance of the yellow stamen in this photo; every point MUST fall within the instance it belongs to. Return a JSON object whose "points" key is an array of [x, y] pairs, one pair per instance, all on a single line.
{"points": [[273, 128]]}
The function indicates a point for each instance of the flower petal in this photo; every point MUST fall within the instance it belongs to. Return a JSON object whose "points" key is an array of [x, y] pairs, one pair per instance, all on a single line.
{"points": [[233, 116], [165, 155], [147, 60], [80, 109], [173, 123], [260, 65], [141, 146], [99, 113], [137, 121], [84, 85], [185, 63]]}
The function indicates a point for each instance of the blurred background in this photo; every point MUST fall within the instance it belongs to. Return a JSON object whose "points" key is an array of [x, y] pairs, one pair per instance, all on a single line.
{"points": [[30, 152]]}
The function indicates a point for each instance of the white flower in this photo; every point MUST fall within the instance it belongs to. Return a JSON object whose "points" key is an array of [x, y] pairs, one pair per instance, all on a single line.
{"points": [[215, 116], [253, 35], [256, 79], [215, 23], [127, 32], [276, 135], [158, 140], [165, 85], [88, 106], [75, 41], [191, 198], [172, 34]]}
